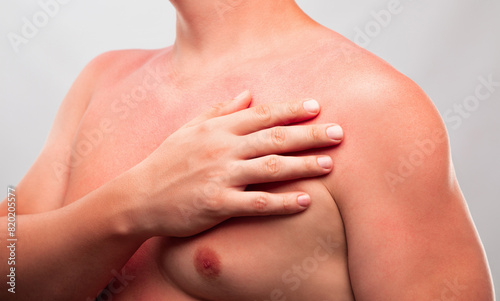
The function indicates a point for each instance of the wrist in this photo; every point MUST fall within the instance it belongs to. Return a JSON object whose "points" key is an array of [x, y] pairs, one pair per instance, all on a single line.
{"points": [[140, 192], [127, 196]]}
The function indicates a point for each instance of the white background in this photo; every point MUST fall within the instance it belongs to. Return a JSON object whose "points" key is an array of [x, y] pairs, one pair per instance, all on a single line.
{"points": [[442, 45]]}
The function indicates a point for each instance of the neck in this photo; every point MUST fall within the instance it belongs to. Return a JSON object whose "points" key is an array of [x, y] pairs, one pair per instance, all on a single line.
{"points": [[214, 32]]}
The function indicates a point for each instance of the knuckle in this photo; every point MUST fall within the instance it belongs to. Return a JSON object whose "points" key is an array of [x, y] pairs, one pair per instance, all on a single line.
{"points": [[314, 133], [246, 149], [233, 170], [261, 201], [273, 165], [310, 164], [205, 127], [212, 194], [286, 203], [263, 112], [214, 150], [213, 204], [217, 109], [278, 136], [292, 108], [214, 111]]}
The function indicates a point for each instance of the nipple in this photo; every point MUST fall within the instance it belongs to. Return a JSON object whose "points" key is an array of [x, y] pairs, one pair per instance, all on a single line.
{"points": [[207, 263]]}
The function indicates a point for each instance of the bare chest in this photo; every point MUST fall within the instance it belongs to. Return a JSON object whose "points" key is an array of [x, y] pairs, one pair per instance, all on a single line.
{"points": [[127, 121]]}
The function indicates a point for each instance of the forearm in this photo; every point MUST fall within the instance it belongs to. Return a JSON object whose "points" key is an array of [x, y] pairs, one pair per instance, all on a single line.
{"points": [[73, 252]]}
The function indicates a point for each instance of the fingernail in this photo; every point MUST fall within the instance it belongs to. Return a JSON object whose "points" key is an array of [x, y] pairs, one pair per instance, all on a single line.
{"points": [[304, 200], [325, 162], [242, 96], [311, 106], [335, 132]]}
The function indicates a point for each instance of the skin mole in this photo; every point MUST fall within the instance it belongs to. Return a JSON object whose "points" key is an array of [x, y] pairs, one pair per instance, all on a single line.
{"points": [[207, 263]]}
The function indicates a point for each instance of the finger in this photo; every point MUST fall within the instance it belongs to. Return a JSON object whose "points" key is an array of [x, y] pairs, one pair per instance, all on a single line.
{"points": [[239, 103], [285, 139], [257, 203], [272, 114], [279, 168]]}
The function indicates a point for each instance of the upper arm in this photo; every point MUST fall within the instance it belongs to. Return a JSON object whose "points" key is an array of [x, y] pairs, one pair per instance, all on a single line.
{"points": [[408, 229], [43, 187]]}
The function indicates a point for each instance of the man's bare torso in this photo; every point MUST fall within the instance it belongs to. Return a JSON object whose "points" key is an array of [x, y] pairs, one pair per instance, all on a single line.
{"points": [[140, 101]]}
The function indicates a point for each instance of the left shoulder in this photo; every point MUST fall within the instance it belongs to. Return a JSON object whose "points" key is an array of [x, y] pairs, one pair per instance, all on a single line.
{"points": [[393, 131], [406, 221], [357, 80], [395, 102]]}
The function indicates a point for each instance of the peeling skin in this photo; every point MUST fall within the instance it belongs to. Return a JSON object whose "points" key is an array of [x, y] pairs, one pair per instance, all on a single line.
{"points": [[207, 263]]}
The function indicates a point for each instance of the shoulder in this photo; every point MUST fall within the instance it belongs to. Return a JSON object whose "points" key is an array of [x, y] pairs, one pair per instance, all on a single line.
{"points": [[357, 80], [395, 187], [114, 65], [395, 138], [100, 72]]}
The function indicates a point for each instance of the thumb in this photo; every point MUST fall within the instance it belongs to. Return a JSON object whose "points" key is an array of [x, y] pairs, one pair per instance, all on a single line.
{"points": [[239, 103]]}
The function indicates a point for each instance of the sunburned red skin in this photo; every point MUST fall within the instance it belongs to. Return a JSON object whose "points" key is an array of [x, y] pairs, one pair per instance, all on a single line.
{"points": [[207, 263]]}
